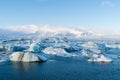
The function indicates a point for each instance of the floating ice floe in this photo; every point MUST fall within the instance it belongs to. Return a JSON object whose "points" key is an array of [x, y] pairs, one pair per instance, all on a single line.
{"points": [[56, 52], [13, 47], [95, 57], [90, 45], [26, 57], [5, 48], [62, 45], [97, 48], [69, 47], [56, 40], [99, 58], [36, 47], [60, 40], [115, 46], [86, 53]]}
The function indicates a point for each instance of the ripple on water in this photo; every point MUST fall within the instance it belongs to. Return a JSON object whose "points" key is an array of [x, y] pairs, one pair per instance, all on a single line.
{"points": [[60, 69]]}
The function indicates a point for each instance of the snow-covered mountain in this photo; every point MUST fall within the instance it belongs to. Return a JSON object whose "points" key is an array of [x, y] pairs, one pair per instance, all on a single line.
{"points": [[45, 31], [51, 31]]}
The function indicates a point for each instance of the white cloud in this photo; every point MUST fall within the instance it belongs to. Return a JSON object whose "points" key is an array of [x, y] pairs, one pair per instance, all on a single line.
{"points": [[78, 31], [23, 28], [108, 3]]}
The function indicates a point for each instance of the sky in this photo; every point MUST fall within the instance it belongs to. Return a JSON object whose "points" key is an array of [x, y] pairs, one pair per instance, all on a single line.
{"points": [[89, 13]]}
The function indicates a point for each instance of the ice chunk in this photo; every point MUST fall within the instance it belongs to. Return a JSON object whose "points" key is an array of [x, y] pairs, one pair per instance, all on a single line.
{"points": [[36, 47], [115, 46], [5, 48], [97, 48], [56, 51], [56, 40], [60, 40], [86, 53], [90, 45], [26, 57], [99, 58]]}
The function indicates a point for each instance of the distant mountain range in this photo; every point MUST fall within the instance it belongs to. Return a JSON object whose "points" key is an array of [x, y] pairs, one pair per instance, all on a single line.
{"points": [[51, 31]]}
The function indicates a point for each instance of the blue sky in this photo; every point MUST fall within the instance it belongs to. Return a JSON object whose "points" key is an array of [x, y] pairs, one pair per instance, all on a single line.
{"points": [[89, 13]]}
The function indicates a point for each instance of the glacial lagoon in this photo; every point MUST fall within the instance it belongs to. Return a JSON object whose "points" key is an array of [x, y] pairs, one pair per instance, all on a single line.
{"points": [[60, 67]]}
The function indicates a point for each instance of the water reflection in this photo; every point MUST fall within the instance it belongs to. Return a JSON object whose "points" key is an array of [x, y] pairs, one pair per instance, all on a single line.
{"points": [[24, 65]]}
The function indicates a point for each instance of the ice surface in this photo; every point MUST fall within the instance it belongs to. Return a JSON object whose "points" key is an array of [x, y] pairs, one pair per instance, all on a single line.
{"points": [[56, 52], [95, 47], [36, 47], [26, 57], [115, 46], [100, 58]]}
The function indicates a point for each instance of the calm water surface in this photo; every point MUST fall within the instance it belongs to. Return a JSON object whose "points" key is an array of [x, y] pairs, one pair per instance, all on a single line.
{"points": [[60, 69]]}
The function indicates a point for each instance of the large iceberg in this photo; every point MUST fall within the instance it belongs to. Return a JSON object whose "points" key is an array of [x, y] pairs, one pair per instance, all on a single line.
{"points": [[26, 57], [56, 52], [100, 58]]}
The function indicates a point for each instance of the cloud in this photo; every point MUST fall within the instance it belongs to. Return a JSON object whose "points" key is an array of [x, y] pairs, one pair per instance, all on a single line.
{"points": [[23, 28], [50, 30], [108, 3]]}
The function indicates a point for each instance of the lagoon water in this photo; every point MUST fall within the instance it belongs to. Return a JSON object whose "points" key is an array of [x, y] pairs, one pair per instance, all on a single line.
{"points": [[60, 69]]}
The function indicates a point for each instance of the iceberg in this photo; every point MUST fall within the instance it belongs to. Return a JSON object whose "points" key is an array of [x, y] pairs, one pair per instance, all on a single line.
{"points": [[56, 52], [5, 48], [97, 48], [36, 47], [26, 57], [60, 40], [86, 53], [56, 40], [62, 45], [90, 45], [114, 46], [95, 57], [100, 58]]}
